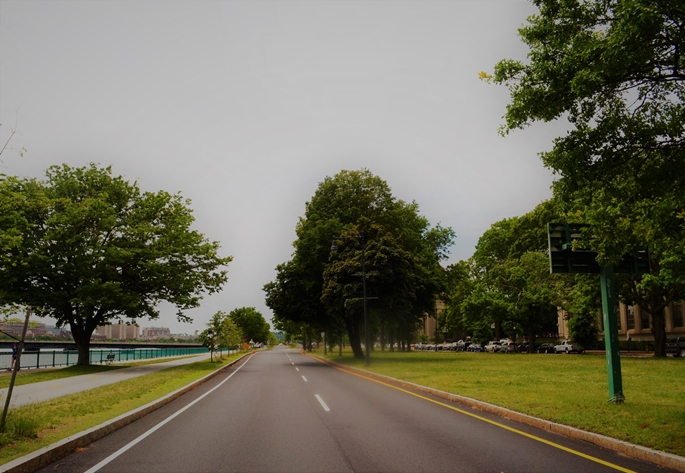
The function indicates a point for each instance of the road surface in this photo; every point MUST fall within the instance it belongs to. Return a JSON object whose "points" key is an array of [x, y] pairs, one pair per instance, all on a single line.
{"points": [[280, 411]]}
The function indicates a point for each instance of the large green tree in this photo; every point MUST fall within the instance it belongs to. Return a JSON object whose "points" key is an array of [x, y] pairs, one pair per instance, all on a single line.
{"points": [[252, 324], [615, 70], [86, 248], [512, 263], [507, 282], [323, 290]]}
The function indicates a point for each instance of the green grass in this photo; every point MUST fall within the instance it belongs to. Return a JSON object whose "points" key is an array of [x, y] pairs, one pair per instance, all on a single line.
{"points": [[31, 427], [569, 389], [38, 376]]}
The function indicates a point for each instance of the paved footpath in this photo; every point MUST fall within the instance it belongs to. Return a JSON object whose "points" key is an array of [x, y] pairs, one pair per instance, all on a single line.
{"points": [[39, 392]]}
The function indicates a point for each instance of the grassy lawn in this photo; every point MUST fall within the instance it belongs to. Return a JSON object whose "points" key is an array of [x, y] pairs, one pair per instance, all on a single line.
{"points": [[31, 427], [38, 376], [568, 389]]}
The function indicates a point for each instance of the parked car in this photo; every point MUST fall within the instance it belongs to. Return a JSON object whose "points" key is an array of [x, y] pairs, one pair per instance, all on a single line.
{"points": [[492, 346], [507, 347], [523, 347], [568, 347], [546, 348], [475, 347], [676, 346]]}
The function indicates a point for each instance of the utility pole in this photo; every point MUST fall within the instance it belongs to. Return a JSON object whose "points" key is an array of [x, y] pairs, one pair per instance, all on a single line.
{"points": [[17, 364]]}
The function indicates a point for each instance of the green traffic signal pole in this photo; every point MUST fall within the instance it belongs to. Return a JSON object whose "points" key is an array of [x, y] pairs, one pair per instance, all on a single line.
{"points": [[610, 317]]}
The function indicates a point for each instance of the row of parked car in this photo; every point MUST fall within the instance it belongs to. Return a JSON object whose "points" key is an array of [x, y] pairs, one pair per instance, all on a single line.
{"points": [[501, 346], [507, 346]]}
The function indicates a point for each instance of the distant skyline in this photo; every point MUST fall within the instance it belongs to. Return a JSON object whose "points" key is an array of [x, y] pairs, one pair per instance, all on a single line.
{"points": [[244, 107]]}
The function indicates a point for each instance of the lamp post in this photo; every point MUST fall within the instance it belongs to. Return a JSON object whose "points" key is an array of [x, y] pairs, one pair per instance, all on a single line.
{"points": [[334, 247]]}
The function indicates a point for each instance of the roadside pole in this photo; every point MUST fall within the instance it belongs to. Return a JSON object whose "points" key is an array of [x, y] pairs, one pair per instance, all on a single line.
{"points": [[565, 257], [16, 366], [610, 318]]}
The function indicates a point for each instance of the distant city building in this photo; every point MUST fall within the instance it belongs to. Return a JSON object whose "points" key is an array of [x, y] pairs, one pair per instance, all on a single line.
{"points": [[57, 332], [15, 328], [153, 333], [183, 336], [118, 331]]}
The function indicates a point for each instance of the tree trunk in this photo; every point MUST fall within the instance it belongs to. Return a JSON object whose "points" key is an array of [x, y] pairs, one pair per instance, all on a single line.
{"points": [[391, 340], [355, 340], [656, 300], [82, 339], [342, 339], [659, 332], [531, 339]]}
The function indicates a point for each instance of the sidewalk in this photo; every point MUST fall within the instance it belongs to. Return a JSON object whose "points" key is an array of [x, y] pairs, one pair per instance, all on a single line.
{"points": [[39, 392]]}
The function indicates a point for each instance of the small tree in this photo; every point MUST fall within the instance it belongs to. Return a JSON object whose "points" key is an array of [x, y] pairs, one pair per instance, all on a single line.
{"points": [[231, 334], [211, 337]]}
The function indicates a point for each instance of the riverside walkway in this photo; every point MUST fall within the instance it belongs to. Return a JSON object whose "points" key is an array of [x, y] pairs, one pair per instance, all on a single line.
{"points": [[46, 390]]}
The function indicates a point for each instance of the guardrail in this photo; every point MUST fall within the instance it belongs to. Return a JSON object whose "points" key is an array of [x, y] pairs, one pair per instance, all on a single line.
{"points": [[54, 358]]}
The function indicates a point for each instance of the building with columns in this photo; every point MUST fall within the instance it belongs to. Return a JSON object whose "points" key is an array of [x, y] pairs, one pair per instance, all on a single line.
{"points": [[636, 323]]}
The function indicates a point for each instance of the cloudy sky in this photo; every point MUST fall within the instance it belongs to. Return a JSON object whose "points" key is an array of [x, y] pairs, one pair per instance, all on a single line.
{"points": [[246, 106]]}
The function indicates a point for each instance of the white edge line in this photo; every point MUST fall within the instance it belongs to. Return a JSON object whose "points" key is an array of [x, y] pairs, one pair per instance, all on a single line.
{"points": [[304, 378], [323, 404], [160, 425]]}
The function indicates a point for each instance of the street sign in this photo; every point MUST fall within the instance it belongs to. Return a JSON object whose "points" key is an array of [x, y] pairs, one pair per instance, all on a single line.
{"points": [[563, 257], [566, 255]]}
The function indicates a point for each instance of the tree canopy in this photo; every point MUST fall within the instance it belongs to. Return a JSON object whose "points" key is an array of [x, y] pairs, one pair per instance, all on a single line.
{"points": [[251, 323], [402, 254], [614, 69], [221, 332], [507, 281], [87, 248]]}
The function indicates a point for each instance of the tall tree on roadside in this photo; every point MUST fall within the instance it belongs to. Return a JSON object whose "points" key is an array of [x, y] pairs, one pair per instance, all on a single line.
{"points": [[317, 289], [615, 70], [87, 248], [252, 324], [507, 281]]}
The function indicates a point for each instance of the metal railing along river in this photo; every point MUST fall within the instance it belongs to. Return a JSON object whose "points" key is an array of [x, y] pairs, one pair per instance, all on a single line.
{"points": [[47, 358]]}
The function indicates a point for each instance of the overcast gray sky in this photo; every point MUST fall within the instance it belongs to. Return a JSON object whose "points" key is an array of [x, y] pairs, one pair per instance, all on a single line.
{"points": [[246, 106]]}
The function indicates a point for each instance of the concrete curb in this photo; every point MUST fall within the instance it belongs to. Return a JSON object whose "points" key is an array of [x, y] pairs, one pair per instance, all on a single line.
{"points": [[46, 455], [663, 459]]}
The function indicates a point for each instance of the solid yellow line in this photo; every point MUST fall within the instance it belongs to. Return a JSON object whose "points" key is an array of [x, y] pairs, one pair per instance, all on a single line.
{"points": [[492, 422]]}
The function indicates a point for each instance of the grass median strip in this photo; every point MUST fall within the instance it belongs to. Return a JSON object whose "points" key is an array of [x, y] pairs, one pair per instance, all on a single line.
{"points": [[35, 426], [568, 389]]}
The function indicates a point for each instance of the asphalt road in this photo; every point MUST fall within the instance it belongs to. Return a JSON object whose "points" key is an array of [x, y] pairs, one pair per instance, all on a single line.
{"points": [[280, 411]]}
